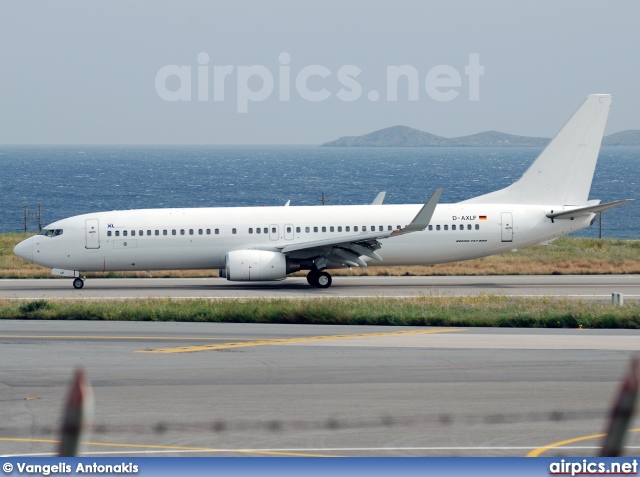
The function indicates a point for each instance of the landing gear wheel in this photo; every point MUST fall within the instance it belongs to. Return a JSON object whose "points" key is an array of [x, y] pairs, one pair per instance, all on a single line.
{"points": [[312, 278], [78, 283], [323, 280]]}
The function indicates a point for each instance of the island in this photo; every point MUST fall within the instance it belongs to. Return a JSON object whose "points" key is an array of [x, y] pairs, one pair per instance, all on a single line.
{"points": [[403, 136]]}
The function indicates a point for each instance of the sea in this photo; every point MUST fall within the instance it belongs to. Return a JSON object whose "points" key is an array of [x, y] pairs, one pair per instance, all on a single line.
{"points": [[72, 180]]}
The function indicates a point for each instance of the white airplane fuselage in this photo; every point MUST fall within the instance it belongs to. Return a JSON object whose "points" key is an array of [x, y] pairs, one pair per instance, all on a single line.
{"points": [[165, 239]]}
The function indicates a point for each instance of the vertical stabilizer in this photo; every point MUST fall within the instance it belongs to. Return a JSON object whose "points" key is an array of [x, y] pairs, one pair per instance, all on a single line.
{"points": [[562, 173]]}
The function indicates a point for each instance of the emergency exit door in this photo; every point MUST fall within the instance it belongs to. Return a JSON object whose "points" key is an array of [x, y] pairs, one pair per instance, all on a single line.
{"points": [[507, 227]]}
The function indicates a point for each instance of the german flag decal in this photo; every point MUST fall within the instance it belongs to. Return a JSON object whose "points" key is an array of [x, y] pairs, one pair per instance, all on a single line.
{"points": [[483, 217]]}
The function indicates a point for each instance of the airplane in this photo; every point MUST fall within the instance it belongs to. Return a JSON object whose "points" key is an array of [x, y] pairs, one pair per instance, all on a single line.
{"points": [[550, 200]]}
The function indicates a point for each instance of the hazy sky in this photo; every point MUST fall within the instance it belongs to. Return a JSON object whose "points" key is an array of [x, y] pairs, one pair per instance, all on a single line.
{"points": [[109, 72]]}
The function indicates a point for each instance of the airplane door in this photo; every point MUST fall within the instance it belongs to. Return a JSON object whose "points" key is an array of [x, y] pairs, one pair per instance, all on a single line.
{"points": [[288, 231], [507, 227], [92, 234], [273, 232]]}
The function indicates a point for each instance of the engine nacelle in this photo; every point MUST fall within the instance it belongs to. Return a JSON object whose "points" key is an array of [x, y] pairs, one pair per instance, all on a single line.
{"points": [[255, 265]]}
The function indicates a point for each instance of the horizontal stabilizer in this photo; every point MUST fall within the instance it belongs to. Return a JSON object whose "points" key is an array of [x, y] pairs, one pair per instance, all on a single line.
{"points": [[583, 211]]}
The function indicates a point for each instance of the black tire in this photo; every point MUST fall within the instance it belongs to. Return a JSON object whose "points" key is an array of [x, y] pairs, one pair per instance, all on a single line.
{"points": [[78, 283], [312, 278], [323, 280]]}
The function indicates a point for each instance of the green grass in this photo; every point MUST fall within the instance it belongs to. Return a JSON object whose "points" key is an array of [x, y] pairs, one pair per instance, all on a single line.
{"points": [[485, 310]]}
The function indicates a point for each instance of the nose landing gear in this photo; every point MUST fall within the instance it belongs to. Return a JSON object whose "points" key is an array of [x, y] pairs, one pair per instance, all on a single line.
{"points": [[78, 283]]}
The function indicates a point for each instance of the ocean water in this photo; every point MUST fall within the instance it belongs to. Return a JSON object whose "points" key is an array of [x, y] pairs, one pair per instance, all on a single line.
{"points": [[81, 179]]}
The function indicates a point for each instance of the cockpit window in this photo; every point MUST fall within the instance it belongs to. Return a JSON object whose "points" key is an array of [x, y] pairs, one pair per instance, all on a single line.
{"points": [[51, 232]]}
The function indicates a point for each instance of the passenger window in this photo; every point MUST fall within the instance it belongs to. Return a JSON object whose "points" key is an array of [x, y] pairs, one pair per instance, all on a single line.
{"points": [[133, 233], [265, 230], [364, 228], [468, 226], [200, 231], [446, 227], [149, 232], [373, 228], [288, 230], [477, 226], [164, 232], [217, 231], [233, 231], [430, 227], [339, 228], [453, 227], [117, 233], [331, 229], [158, 232], [347, 229], [208, 231], [315, 229], [173, 231], [124, 233], [190, 231], [250, 230], [140, 232], [297, 230], [380, 228], [273, 230], [257, 230], [437, 227], [181, 231], [398, 228], [307, 229], [109, 233], [389, 228], [355, 228], [324, 229]]}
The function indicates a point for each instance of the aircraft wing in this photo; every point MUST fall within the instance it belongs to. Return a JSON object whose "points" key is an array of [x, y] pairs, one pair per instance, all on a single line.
{"points": [[348, 250], [582, 211]]}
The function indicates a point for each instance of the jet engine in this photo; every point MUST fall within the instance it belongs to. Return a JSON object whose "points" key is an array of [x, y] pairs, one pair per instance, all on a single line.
{"points": [[255, 265]]}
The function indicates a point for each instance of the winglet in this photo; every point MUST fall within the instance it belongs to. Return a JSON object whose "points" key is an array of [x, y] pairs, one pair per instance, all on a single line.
{"points": [[423, 218], [379, 198]]}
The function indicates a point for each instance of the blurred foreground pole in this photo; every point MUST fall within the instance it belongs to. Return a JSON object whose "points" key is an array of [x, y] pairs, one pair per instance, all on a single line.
{"points": [[622, 413], [77, 415]]}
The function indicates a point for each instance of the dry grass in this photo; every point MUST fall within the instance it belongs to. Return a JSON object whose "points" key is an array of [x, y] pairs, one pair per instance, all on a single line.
{"points": [[571, 256]]}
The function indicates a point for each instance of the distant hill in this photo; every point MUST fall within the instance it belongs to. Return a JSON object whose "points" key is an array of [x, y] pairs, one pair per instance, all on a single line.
{"points": [[630, 137], [403, 136]]}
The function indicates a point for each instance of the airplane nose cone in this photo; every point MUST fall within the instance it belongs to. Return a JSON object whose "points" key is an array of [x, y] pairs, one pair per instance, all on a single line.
{"points": [[24, 249]]}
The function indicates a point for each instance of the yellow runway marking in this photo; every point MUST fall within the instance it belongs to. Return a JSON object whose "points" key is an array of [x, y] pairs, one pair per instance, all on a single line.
{"points": [[280, 341], [106, 337], [176, 448], [541, 450]]}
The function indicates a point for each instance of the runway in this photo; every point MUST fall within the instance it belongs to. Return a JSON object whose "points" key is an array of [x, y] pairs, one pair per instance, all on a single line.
{"points": [[245, 389], [591, 287]]}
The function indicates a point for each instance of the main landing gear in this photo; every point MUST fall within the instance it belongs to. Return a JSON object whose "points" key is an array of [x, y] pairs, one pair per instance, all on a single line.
{"points": [[78, 283], [320, 279]]}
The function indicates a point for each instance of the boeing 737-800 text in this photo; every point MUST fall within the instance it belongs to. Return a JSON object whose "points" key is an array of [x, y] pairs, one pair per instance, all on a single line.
{"points": [[551, 199]]}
